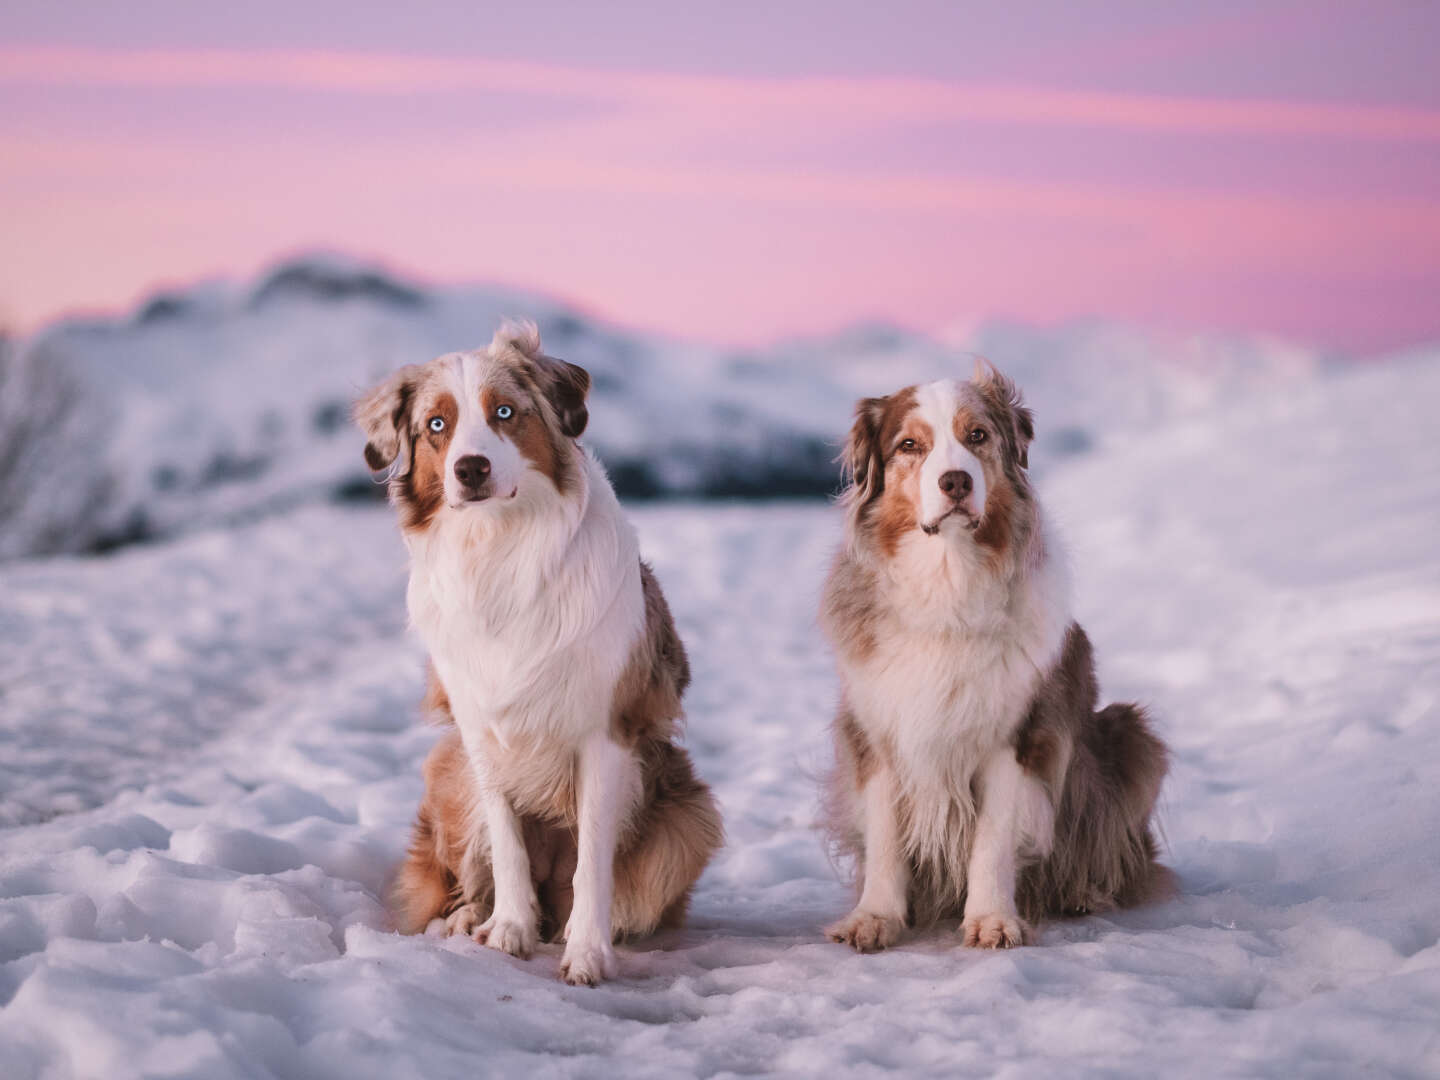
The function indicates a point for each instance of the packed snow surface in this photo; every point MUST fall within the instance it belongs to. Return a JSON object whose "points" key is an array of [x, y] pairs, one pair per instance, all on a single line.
{"points": [[210, 755]]}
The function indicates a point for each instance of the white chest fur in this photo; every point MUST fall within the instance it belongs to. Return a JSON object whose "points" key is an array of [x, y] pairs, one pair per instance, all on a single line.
{"points": [[959, 654], [530, 612]]}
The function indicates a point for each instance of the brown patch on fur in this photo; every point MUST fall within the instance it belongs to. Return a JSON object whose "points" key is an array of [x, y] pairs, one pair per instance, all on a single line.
{"points": [[669, 843], [1013, 422], [383, 415], [871, 443], [850, 613], [1037, 750], [420, 491], [428, 885], [855, 751], [436, 702], [1003, 527], [997, 525], [400, 440], [1103, 771], [647, 697], [537, 442], [563, 385], [673, 834]]}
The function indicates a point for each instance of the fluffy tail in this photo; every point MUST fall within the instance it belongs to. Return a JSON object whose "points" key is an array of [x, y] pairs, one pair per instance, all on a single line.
{"points": [[1105, 849]]}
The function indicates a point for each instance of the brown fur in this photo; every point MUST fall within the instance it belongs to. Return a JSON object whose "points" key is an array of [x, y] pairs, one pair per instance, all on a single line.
{"points": [[1103, 770], [647, 698], [662, 851], [436, 702], [871, 447]]}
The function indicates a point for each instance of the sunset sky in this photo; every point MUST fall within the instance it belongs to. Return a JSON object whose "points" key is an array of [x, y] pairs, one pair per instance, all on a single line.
{"points": [[762, 171]]}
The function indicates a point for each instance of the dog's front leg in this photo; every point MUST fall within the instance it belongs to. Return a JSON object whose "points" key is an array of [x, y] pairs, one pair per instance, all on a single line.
{"points": [[1015, 815], [879, 918], [608, 779], [514, 924]]}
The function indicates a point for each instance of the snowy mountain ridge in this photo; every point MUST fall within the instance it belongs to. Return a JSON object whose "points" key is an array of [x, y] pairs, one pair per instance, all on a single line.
{"points": [[213, 403]]}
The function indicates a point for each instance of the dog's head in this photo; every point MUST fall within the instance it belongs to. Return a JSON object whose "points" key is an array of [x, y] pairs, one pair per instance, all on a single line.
{"points": [[474, 431], [948, 457]]}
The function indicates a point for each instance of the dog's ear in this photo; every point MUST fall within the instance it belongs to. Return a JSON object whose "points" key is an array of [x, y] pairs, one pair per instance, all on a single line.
{"points": [[1005, 398], [384, 416], [862, 462], [566, 385]]}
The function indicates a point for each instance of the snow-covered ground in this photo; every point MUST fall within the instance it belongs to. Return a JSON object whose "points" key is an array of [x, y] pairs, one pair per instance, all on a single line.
{"points": [[211, 756]]}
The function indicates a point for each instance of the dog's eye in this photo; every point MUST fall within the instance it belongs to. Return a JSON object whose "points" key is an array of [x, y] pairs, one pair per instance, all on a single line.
{"points": [[504, 412], [978, 436], [909, 446], [437, 424]]}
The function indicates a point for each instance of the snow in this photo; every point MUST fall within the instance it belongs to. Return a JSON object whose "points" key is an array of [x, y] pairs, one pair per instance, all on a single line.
{"points": [[211, 758], [210, 404]]}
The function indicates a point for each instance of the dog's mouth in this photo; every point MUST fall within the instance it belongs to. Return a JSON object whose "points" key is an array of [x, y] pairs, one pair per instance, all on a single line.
{"points": [[473, 498], [969, 521]]}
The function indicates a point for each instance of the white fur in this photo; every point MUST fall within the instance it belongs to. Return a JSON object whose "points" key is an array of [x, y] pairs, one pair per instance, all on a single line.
{"points": [[530, 607], [936, 403], [609, 790]]}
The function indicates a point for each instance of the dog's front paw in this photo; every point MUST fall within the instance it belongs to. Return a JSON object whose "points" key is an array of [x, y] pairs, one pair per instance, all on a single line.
{"points": [[464, 919], [865, 931], [512, 936], [586, 963], [995, 931]]}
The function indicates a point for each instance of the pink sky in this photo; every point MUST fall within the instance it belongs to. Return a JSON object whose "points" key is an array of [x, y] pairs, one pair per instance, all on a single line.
{"points": [[1270, 167]]}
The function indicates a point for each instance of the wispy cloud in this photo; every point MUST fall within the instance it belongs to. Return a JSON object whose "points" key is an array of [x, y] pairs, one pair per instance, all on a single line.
{"points": [[838, 100]]}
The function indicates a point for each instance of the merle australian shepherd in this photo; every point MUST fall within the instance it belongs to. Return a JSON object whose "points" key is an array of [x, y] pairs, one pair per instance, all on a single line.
{"points": [[975, 776], [559, 803]]}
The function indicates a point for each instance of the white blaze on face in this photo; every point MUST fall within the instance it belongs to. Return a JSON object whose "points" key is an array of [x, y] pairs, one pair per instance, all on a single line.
{"points": [[468, 375], [937, 404]]}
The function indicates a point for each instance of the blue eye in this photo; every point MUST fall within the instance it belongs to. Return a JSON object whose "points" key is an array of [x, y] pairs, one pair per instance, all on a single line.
{"points": [[437, 423], [504, 412]]}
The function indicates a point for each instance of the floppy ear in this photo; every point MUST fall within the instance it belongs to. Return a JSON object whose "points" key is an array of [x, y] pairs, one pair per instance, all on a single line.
{"points": [[862, 462], [384, 416], [1004, 396], [565, 385]]}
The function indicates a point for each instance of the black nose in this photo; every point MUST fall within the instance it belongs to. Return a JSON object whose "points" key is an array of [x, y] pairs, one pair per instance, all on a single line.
{"points": [[472, 470], [956, 483]]}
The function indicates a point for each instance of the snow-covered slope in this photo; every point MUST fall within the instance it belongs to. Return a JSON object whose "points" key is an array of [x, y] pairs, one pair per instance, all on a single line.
{"points": [[215, 403], [237, 710]]}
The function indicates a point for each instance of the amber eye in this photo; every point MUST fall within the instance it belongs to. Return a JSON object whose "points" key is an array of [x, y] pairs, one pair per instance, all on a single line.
{"points": [[504, 412], [437, 424], [977, 436], [908, 446]]}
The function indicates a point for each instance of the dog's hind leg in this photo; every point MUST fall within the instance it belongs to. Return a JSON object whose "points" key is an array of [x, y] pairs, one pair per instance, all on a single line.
{"points": [[1105, 849], [674, 837], [440, 874], [424, 888]]}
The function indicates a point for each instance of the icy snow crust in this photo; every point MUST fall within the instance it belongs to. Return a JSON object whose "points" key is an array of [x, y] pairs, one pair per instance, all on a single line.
{"points": [[211, 758]]}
